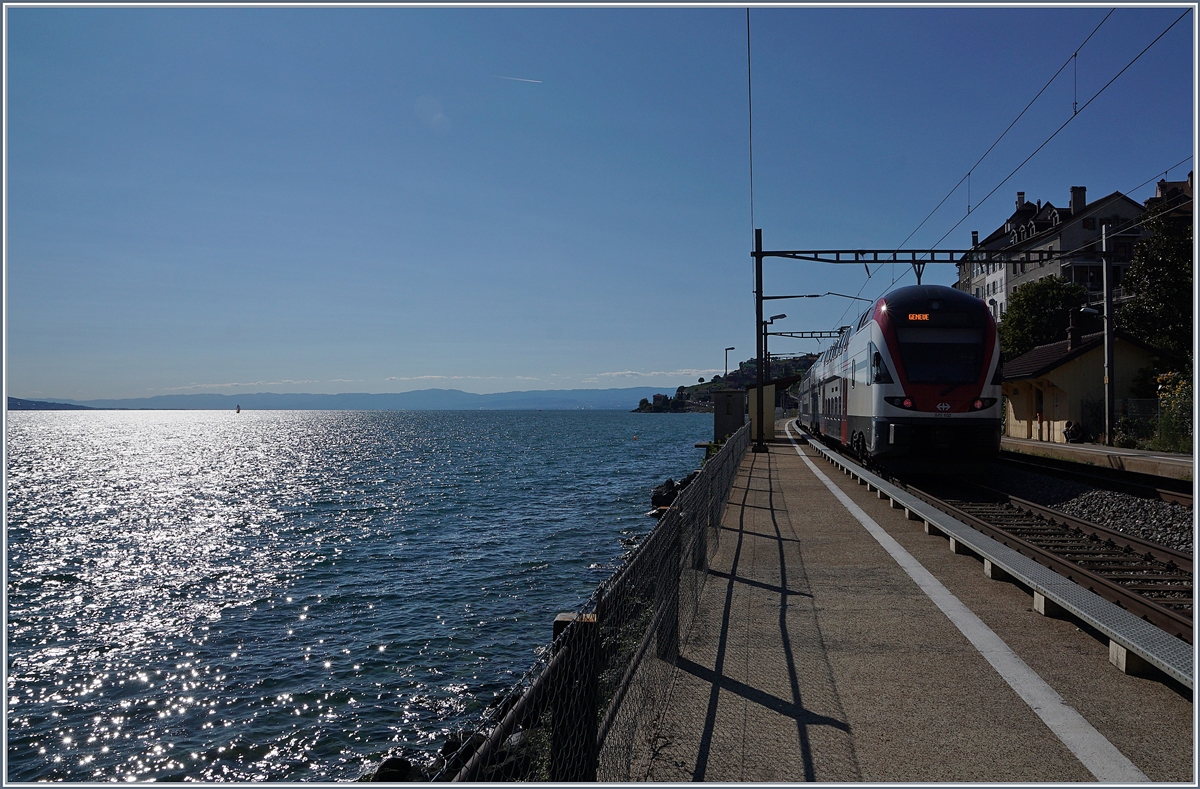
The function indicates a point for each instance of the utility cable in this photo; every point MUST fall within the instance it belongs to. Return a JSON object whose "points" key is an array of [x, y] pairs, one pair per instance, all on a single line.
{"points": [[1126, 225], [1053, 135], [1121, 228], [1065, 123], [750, 108], [1074, 114], [1166, 172], [1020, 115], [1116, 229], [1003, 134]]}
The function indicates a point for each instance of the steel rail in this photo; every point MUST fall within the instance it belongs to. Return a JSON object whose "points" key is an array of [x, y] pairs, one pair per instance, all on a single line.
{"points": [[1170, 621], [1162, 553]]}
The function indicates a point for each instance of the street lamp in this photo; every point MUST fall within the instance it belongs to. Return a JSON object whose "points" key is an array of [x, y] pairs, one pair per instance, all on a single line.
{"points": [[727, 350], [767, 353]]}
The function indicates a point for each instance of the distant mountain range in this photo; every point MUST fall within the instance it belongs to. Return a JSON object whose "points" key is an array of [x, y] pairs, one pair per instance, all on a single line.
{"points": [[17, 404], [420, 400]]}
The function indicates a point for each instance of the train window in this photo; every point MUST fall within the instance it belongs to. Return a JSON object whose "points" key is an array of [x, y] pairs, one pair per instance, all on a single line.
{"points": [[879, 370], [941, 355]]}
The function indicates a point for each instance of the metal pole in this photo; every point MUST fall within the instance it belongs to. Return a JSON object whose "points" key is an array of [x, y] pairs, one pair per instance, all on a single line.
{"points": [[727, 350], [1109, 387], [759, 330], [766, 351]]}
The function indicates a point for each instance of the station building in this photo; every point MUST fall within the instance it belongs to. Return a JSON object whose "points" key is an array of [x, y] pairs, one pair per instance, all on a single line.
{"points": [[1064, 380]]}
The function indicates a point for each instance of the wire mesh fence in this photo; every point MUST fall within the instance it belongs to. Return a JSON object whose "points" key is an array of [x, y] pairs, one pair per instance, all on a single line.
{"points": [[586, 710]]}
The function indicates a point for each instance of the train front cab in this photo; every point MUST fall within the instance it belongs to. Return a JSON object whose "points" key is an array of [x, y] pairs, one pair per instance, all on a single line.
{"points": [[944, 402]]}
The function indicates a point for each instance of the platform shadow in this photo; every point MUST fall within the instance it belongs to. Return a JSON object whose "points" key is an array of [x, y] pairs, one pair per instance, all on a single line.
{"points": [[792, 708]]}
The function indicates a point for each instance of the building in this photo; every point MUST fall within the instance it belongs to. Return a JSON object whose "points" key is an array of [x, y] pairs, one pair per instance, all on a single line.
{"points": [[1035, 230], [1173, 200], [1064, 380]]}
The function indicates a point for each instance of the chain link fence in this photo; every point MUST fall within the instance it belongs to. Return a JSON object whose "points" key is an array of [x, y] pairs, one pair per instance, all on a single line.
{"points": [[587, 709]]}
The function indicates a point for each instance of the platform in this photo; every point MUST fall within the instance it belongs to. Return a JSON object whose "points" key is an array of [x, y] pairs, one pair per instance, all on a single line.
{"points": [[820, 653], [1159, 464]]}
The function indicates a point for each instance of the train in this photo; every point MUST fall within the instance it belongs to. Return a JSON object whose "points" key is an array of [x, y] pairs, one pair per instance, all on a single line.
{"points": [[915, 380]]}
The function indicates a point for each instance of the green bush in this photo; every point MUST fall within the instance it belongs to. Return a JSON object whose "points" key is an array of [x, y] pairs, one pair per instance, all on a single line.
{"points": [[1174, 429]]}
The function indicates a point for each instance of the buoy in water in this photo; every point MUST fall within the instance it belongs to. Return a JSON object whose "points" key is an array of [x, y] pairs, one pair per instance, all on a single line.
{"points": [[635, 438]]}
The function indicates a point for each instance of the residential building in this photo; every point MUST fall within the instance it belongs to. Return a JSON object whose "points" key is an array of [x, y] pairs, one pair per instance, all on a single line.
{"points": [[1036, 233], [1172, 199]]}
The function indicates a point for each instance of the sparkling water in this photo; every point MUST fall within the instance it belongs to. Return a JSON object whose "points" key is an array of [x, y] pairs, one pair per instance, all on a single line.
{"points": [[291, 595]]}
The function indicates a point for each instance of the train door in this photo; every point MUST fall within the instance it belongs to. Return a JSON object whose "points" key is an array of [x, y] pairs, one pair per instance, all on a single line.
{"points": [[844, 410]]}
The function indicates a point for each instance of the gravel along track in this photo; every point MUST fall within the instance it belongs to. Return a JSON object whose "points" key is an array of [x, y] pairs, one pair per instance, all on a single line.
{"points": [[1162, 522]]}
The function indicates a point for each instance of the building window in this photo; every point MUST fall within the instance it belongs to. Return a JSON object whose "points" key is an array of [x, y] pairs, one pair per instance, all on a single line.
{"points": [[1089, 223]]}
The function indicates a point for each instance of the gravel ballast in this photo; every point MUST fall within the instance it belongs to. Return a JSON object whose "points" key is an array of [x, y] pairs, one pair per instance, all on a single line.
{"points": [[1163, 522]]}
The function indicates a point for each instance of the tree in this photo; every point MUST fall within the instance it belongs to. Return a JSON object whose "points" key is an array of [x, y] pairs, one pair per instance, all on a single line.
{"points": [[1159, 284], [1039, 312]]}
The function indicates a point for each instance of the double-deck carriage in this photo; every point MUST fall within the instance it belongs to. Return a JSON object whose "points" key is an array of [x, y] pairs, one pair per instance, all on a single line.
{"points": [[915, 380]]}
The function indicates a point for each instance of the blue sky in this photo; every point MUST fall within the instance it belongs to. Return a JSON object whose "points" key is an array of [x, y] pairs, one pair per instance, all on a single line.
{"points": [[384, 199]]}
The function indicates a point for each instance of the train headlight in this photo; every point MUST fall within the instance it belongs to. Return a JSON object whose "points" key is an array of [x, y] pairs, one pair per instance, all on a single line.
{"points": [[900, 402], [982, 403]]}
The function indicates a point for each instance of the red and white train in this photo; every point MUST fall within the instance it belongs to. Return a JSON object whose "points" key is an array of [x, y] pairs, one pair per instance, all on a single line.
{"points": [[917, 377]]}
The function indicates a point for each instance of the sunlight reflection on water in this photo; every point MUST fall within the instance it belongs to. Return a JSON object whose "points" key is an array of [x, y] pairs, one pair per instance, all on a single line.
{"points": [[289, 595]]}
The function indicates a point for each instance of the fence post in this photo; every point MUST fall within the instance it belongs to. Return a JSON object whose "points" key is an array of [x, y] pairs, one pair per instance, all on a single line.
{"points": [[574, 700], [666, 594]]}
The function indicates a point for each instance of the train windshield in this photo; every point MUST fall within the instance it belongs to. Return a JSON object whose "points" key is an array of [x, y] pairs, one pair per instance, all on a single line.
{"points": [[941, 355]]}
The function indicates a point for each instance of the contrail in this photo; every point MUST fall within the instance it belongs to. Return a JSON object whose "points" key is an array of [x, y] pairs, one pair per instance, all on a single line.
{"points": [[518, 79]]}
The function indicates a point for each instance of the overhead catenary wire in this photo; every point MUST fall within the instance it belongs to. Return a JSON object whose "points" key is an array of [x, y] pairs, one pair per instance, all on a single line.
{"points": [[990, 148], [1165, 173], [1114, 230], [750, 112], [1004, 133], [1044, 143], [1121, 228]]}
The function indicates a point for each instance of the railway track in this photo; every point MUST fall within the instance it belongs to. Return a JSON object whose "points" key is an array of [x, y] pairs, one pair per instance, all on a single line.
{"points": [[1151, 581], [1144, 485]]}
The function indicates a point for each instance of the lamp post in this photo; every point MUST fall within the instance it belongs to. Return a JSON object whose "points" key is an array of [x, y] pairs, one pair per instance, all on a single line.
{"points": [[767, 353], [727, 350], [759, 444]]}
